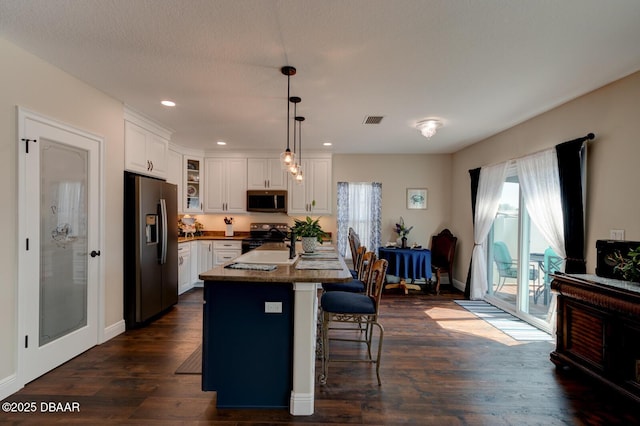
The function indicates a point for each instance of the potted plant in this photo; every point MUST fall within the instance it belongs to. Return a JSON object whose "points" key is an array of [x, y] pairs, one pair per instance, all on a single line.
{"points": [[628, 266], [309, 231]]}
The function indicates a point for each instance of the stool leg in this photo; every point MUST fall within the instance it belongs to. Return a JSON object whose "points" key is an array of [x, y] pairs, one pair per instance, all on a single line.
{"points": [[379, 357]]}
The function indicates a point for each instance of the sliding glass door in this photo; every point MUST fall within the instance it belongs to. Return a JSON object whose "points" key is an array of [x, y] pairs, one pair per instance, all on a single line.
{"points": [[519, 261]]}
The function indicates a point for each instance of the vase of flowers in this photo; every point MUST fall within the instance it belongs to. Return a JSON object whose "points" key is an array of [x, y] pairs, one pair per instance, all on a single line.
{"points": [[402, 232]]}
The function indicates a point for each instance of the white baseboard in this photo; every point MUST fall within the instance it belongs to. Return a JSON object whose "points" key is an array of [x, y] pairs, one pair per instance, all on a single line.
{"points": [[113, 330], [459, 285], [301, 404], [8, 386]]}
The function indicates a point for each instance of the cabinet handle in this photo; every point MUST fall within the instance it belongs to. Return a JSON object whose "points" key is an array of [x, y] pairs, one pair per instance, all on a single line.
{"points": [[180, 260], [151, 165]]}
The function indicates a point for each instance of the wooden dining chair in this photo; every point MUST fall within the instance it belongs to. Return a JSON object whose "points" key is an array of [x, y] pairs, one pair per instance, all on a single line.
{"points": [[354, 245], [361, 309], [443, 251]]}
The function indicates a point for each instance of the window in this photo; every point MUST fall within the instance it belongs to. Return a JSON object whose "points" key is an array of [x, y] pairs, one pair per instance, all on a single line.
{"points": [[359, 206]]}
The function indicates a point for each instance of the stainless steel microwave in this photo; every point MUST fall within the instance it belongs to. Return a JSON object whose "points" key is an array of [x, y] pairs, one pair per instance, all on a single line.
{"points": [[267, 201]]}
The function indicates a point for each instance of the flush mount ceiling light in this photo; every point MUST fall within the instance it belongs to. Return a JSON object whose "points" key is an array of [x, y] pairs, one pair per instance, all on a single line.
{"points": [[286, 158], [428, 128], [168, 103]]}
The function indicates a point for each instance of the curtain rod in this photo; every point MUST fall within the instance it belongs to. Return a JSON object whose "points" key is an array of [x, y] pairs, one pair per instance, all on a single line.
{"points": [[589, 136]]}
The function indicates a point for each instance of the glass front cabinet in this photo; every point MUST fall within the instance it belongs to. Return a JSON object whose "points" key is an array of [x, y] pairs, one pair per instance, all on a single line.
{"points": [[193, 188]]}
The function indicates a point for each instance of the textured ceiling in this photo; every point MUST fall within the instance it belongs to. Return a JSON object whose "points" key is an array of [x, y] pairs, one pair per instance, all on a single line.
{"points": [[480, 66]]}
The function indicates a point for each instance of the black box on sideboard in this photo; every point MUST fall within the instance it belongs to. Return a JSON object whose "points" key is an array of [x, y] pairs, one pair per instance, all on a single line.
{"points": [[606, 249]]}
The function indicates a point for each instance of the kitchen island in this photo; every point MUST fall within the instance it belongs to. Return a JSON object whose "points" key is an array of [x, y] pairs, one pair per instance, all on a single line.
{"points": [[259, 328]]}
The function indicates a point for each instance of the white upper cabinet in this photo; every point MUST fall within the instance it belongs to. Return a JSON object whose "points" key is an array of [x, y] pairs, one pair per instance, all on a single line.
{"points": [[174, 174], [316, 187], [225, 185], [193, 184], [145, 146], [265, 173]]}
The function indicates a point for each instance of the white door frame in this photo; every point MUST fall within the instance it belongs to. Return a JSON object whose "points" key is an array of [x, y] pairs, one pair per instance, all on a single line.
{"points": [[23, 115]]}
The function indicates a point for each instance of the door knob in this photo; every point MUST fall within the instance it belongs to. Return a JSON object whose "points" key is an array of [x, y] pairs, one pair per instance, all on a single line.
{"points": [[94, 253]]}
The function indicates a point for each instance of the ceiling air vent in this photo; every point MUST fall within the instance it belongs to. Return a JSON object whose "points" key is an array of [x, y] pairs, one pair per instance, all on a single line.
{"points": [[372, 119]]}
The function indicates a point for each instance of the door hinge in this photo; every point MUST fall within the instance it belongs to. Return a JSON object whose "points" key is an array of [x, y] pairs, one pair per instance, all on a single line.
{"points": [[26, 141], [26, 341]]}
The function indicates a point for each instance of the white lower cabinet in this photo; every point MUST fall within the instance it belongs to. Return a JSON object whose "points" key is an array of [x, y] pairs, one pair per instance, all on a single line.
{"points": [[226, 251], [194, 262], [184, 267], [205, 256]]}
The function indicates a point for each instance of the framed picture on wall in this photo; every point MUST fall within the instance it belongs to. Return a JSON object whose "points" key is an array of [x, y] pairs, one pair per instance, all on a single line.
{"points": [[417, 198]]}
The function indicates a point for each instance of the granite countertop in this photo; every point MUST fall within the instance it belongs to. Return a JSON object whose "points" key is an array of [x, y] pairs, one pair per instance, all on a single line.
{"points": [[214, 235], [282, 274]]}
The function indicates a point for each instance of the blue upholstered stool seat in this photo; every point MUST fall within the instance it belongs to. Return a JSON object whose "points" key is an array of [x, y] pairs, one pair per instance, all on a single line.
{"points": [[353, 286], [347, 303]]}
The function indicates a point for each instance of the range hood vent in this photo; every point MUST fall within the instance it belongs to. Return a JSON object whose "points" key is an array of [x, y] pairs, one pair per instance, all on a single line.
{"points": [[372, 119]]}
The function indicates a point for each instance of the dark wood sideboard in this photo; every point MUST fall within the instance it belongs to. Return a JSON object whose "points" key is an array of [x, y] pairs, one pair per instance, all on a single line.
{"points": [[598, 329]]}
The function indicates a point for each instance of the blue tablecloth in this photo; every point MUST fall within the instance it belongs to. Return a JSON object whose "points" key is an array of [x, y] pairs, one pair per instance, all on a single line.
{"points": [[413, 264]]}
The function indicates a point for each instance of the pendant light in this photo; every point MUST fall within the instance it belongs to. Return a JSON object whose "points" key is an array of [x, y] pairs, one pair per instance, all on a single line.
{"points": [[299, 177], [287, 157], [293, 167]]}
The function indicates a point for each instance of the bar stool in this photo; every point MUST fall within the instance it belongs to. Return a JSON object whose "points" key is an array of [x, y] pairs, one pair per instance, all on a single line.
{"points": [[354, 308]]}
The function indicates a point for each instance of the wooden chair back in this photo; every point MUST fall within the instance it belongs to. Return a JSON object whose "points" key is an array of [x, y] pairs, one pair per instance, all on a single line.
{"points": [[443, 251]]}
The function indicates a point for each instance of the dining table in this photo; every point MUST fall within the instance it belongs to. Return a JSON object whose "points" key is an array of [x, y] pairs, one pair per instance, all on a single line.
{"points": [[408, 264]]}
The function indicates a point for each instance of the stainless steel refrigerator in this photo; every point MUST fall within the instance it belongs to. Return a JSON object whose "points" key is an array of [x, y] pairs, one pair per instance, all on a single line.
{"points": [[150, 248]]}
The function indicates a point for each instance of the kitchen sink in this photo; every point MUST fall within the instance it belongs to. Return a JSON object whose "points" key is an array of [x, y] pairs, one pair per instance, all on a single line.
{"points": [[270, 257]]}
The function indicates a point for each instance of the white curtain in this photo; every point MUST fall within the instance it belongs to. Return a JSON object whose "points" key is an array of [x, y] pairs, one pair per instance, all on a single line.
{"points": [[487, 201], [540, 185], [359, 207]]}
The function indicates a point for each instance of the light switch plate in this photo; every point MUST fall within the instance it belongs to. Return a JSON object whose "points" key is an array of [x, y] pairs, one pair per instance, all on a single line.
{"points": [[616, 234]]}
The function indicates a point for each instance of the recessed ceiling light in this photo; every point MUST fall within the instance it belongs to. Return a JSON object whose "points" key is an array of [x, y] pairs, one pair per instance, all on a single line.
{"points": [[327, 144], [168, 103], [221, 143]]}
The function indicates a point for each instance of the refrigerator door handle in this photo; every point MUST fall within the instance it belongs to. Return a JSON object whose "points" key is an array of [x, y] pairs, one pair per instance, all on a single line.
{"points": [[163, 214]]}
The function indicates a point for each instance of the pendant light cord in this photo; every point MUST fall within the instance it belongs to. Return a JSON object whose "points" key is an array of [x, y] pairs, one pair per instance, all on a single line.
{"points": [[288, 108]]}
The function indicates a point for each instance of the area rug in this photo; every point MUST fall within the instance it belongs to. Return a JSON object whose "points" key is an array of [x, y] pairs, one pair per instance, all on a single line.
{"points": [[505, 322], [193, 364]]}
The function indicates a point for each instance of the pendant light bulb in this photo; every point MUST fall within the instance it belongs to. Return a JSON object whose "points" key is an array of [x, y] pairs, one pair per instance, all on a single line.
{"points": [[287, 157]]}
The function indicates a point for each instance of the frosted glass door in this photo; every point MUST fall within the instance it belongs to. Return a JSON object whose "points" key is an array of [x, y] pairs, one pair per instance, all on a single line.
{"points": [[63, 236]]}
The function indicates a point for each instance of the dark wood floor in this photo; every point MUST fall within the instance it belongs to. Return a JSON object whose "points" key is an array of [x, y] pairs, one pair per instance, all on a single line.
{"points": [[441, 366]]}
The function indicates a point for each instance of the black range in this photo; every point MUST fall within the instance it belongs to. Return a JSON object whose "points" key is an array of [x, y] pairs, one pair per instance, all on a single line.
{"points": [[260, 233]]}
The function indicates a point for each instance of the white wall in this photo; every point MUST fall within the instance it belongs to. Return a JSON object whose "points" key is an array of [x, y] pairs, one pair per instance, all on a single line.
{"points": [[31, 83], [610, 112], [397, 173]]}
